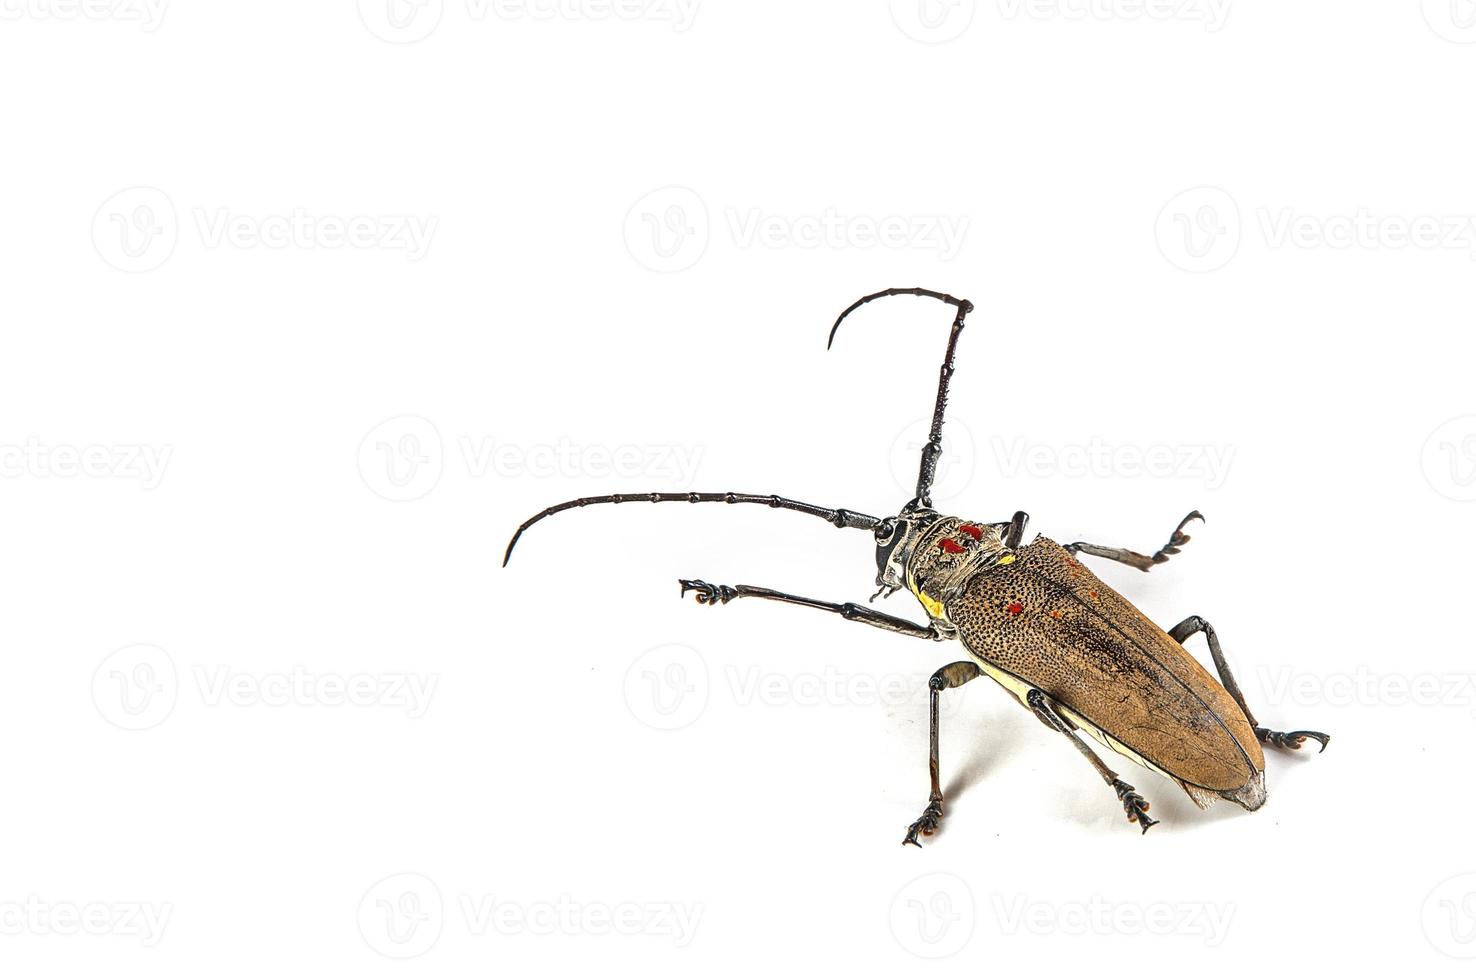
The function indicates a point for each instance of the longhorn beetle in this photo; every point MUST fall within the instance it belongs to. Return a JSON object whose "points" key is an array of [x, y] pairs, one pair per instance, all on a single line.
{"points": [[1076, 654]]}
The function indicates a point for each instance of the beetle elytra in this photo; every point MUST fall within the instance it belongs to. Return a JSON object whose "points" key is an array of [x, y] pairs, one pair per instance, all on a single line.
{"points": [[1032, 617]]}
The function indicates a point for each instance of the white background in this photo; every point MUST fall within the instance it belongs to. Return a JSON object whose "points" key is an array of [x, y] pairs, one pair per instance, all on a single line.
{"points": [[1236, 232]]}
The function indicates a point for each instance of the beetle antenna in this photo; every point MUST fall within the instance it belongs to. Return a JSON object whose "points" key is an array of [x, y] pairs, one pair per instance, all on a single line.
{"points": [[928, 468], [838, 517]]}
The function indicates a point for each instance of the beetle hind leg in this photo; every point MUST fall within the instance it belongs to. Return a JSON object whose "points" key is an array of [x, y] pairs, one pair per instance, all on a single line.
{"points": [[1132, 802], [1281, 740]]}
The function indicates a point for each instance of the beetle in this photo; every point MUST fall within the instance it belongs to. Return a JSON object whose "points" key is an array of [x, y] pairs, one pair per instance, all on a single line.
{"points": [[1032, 617]]}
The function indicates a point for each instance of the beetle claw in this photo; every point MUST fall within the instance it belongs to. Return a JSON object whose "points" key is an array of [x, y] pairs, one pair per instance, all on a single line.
{"points": [[927, 824], [1134, 804], [1293, 740]]}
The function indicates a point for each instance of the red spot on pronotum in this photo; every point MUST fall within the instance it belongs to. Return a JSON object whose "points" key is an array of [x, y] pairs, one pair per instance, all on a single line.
{"points": [[972, 530], [1014, 609], [951, 546]]}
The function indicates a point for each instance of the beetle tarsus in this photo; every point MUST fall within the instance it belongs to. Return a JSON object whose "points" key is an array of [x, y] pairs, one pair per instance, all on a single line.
{"points": [[707, 593], [1142, 563], [1292, 740], [927, 824], [1134, 804]]}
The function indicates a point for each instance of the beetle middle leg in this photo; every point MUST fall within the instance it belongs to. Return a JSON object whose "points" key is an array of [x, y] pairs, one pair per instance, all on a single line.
{"points": [[954, 675], [1134, 804], [1141, 562], [1282, 740]]}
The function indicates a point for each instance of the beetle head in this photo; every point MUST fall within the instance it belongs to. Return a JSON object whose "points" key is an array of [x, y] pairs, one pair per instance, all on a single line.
{"points": [[896, 539], [934, 557]]}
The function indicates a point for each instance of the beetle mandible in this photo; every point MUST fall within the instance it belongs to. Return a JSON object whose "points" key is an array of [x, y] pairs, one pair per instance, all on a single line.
{"points": [[1072, 651]]}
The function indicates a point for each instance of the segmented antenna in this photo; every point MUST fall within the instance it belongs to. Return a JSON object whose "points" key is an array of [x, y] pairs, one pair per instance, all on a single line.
{"points": [[838, 517], [928, 468]]}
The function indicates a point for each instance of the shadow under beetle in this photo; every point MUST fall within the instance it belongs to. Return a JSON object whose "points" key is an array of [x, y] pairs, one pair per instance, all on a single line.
{"points": [[1074, 652]]}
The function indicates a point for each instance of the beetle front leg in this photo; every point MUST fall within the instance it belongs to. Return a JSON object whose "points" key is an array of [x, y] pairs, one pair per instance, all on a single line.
{"points": [[711, 595], [954, 675], [1135, 806], [1141, 562], [1282, 740]]}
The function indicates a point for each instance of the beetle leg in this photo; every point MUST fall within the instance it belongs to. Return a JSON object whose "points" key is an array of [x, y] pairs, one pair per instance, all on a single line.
{"points": [[954, 675], [1135, 806], [711, 595], [1141, 562], [1282, 740]]}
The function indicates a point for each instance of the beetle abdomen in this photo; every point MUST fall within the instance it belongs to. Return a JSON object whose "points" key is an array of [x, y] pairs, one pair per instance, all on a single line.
{"points": [[1049, 622]]}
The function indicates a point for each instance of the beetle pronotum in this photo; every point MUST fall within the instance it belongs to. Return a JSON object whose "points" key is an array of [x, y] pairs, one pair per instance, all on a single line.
{"points": [[1074, 652]]}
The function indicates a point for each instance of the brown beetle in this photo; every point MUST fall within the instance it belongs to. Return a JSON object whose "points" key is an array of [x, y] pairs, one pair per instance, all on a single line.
{"points": [[1069, 648]]}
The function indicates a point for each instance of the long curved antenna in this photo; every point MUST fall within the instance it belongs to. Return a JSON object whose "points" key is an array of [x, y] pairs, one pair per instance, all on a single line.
{"points": [[928, 468], [838, 517]]}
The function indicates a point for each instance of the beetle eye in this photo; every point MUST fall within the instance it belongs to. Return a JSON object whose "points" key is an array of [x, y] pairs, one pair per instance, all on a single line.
{"points": [[884, 531]]}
